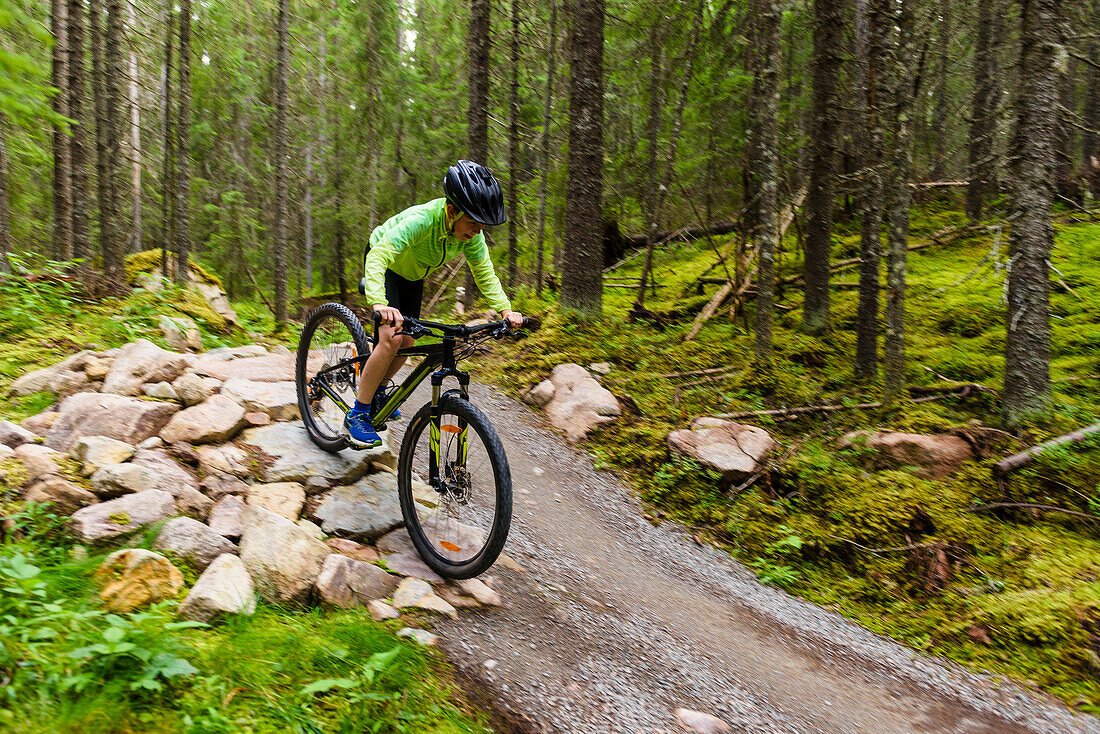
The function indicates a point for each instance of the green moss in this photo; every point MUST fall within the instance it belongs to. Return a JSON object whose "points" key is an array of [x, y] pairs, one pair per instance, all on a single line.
{"points": [[149, 261]]}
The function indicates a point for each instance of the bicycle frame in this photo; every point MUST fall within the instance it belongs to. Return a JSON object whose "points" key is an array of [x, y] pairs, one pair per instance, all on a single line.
{"points": [[439, 362]]}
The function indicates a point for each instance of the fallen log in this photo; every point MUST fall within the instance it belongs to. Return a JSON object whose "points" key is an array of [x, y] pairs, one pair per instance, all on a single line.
{"points": [[1030, 506], [1012, 463]]}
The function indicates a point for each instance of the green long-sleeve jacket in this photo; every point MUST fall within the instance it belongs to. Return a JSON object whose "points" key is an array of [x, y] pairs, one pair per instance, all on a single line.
{"points": [[415, 243]]}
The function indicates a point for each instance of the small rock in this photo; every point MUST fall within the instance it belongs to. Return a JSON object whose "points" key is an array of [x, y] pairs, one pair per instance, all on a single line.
{"points": [[699, 722], [193, 389], [38, 460], [277, 399], [183, 452], [224, 588], [396, 541], [351, 549], [347, 583], [410, 564], [282, 498], [159, 390], [6, 452], [114, 480], [123, 515], [224, 459], [489, 664], [315, 485], [140, 362], [283, 560], [311, 528], [217, 486], [380, 610], [181, 333], [540, 394], [133, 578], [433, 603], [257, 419], [424, 637], [600, 368], [225, 517], [215, 420], [98, 368], [94, 452], [736, 450], [153, 442], [63, 494], [192, 541], [12, 435], [480, 591], [409, 592], [40, 424], [365, 510]]}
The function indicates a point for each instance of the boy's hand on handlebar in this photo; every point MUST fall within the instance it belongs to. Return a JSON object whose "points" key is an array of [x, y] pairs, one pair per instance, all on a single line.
{"points": [[514, 319], [388, 315]]}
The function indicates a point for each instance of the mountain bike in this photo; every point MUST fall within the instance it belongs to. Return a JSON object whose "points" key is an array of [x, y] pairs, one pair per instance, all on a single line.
{"points": [[453, 479]]}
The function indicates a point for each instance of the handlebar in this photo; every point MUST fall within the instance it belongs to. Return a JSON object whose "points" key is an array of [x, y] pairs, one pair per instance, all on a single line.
{"points": [[417, 328]]}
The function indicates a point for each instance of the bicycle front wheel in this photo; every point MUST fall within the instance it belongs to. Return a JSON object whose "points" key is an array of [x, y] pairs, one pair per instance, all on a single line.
{"points": [[332, 335], [455, 488]]}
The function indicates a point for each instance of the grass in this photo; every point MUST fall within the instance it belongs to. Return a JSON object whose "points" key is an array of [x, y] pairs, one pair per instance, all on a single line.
{"points": [[1022, 589]]}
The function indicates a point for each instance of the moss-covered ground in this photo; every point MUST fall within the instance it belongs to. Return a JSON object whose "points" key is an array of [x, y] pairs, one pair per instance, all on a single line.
{"points": [[1012, 591]]}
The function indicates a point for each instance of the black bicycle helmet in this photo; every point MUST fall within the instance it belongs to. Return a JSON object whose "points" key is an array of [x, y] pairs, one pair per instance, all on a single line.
{"points": [[472, 188]]}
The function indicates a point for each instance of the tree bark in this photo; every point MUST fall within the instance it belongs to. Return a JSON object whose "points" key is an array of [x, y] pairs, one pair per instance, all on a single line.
{"points": [[62, 150], [102, 128], [111, 245], [5, 205], [828, 42], [513, 150], [582, 256], [1090, 149], [1027, 342], [544, 164], [477, 112], [183, 148], [307, 214], [135, 244], [898, 199], [81, 202], [281, 187], [982, 107], [871, 32], [768, 123], [939, 116], [168, 134]]}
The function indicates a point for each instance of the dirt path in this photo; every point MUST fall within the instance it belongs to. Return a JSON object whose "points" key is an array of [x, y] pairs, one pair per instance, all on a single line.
{"points": [[610, 624]]}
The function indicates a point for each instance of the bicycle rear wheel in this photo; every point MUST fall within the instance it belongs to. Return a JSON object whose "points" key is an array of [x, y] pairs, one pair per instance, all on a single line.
{"points": [[459, 525], [332, 334]]}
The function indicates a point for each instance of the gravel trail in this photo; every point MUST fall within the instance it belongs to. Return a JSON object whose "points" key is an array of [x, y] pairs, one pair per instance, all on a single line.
{"points": [[609, 624]]}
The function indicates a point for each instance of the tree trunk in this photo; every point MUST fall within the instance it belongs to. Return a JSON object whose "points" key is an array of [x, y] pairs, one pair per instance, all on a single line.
{"points": [[112, 246], [183, 148], [653, 137], [102, 128], [281, 187], [982, 106], [544, 164], [939, 116], [1027, 341], [81, 203], [307, 213], [135, 244], [767, 124], [513, 150], [477, 113], [1090, 149], [62, 150], [581, 282], [898, 198], [871, 30], [665, 182], [828, 42], [337, 166], [168, 135], [5, 205]]}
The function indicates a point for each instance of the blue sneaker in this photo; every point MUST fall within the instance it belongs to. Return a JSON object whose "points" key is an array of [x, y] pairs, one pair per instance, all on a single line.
{"points": [[362, 432], [381, 395]]}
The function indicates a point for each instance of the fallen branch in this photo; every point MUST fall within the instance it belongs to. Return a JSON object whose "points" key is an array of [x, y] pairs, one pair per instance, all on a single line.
{"points": [[895, 549], [1077, 379], [786, 413], [443, 285], [1012, 463], [1030, 506], [693, 373]]}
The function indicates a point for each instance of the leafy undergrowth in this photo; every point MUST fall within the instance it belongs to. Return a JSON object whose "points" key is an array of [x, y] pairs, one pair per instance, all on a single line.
{"points": [[68, 666], [1010, 590]]}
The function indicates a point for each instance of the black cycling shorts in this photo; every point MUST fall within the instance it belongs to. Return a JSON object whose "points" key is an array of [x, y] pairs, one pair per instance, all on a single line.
{"points": [[404, 295]]}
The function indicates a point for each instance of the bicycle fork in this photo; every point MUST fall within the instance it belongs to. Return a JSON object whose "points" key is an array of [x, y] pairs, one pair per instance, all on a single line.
{"points": [[440, 432]]}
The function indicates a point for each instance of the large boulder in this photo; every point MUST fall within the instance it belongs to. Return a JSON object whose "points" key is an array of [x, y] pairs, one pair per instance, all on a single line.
{"points": [[579, 403], [224, 459], [176, 479], [134, 578], [224, 588], [42, 380], [268, 368], [348, 583], [140, 362], [736, 450], [934, 456], [117, 517], [278, 399], [226, 517], [94, 452], [114, 416], [38, 461], [214, 420], [65, 496], [365, 510], [192, 541], [293, 457], [283, 559], [282, 498]]}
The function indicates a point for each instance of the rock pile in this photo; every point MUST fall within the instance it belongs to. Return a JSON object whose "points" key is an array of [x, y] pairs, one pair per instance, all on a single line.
{"points": [[211, 446]]}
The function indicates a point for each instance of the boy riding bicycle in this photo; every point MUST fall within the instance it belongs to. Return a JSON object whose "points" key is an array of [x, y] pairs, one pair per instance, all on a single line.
{"points": [[406, 249]]}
